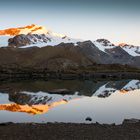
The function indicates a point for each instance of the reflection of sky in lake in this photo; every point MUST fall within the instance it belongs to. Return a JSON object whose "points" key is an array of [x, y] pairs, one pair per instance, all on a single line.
{"points": [[114, 108]]}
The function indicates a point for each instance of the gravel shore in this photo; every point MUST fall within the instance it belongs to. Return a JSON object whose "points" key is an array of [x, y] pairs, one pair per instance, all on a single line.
{"points": [[69, 131]]}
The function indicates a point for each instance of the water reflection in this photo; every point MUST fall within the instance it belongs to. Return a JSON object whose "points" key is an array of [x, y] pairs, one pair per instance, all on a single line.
{"points": [[33, 109], [47, 98]]}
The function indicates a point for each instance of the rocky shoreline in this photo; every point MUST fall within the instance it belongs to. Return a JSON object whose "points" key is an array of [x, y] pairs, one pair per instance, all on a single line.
{"points": [[128, 130], [68, 76]]}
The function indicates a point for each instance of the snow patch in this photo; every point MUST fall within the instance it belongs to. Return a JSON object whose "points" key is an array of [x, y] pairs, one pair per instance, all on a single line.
{"points": [[133, 51], [101, 46], [50, 98], [104, 90], [133, 84]]}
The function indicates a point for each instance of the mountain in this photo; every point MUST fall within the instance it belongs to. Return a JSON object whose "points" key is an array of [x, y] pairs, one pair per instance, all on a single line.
{"points": [[122, 86], [102, 89], [41, 98], [105, 45], [66, 51], [131, 49], [32, 35], [34, 103], [37, 98], [41, 102]]}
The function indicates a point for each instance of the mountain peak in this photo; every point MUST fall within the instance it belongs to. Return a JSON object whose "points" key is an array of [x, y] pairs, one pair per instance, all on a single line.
{"points": [[29, 29], [32, 35], [123, 45], [105, 42]]}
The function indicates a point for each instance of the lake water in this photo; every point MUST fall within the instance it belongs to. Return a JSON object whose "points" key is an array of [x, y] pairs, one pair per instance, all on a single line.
{"points": [[39, 101]]}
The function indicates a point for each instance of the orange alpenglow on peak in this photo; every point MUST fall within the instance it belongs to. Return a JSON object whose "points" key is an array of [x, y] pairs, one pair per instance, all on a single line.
{"points": [[123, 44], [28, 26], [11, 31], [33, 109], [24, 30], [124, 91]]}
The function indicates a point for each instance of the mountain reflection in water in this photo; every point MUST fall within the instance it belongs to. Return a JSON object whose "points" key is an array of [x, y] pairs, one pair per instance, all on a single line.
{"points": [[38, 98], [33, 109]]}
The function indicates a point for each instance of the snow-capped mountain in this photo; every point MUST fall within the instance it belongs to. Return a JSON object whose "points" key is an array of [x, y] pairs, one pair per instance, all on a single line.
{"points": [[32, 98], [104, 91], [31, 29], [45, 98], [100, 51], [34, 103], [103, 44], [132, 50], [110, 88], [32, 35], [132, 85]]}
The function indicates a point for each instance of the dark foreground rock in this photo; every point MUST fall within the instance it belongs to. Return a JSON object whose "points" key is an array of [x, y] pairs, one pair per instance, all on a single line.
{"points": [[61, 131]]}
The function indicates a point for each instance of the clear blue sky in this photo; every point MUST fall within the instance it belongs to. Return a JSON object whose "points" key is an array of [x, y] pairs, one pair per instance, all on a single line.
{"points": [[115, 20]]}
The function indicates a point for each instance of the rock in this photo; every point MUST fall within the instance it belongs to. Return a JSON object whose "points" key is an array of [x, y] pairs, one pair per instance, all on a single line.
{"points": [[24, 40], [60, 91], [130, 121], [113, 124], [105, 42], [97, 123], [88, 119], [5, 124]]}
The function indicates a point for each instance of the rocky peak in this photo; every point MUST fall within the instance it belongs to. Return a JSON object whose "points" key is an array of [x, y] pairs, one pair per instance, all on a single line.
{"points": [[88, 43], [23, 40], [124, 45], [32, 35], [105, 42]]}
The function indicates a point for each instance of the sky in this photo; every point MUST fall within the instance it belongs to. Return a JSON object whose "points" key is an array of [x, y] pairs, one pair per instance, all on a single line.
{"points": [[115, 20]]}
